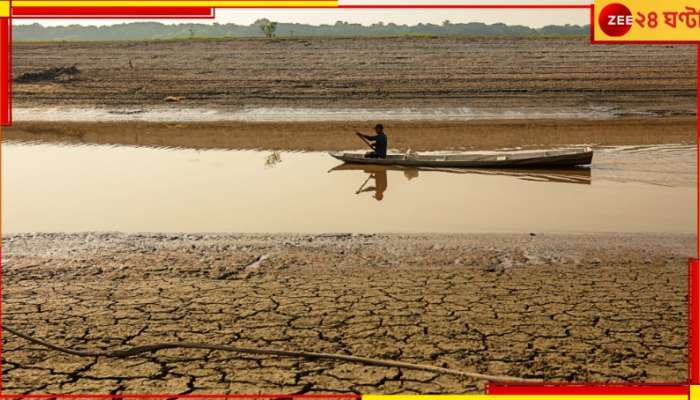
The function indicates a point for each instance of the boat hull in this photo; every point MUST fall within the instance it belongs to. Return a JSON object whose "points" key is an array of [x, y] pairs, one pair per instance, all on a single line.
{"points": [[541, 159]]}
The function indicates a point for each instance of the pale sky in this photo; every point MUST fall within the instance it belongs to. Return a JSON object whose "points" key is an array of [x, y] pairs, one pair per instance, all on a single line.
{"points": [[534, 17]]}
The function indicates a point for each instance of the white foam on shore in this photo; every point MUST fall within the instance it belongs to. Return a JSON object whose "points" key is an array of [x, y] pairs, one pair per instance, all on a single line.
{"points": [[281, 114]]}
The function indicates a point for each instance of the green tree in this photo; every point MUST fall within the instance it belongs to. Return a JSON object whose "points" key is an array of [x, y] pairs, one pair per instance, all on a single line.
{"points": [[267, 27]]}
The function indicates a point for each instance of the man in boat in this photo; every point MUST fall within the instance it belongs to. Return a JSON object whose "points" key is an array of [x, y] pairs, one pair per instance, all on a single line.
{"points": [[379, 142]]}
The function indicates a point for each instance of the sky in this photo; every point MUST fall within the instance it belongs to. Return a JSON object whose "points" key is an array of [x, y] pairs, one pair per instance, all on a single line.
{"points": [[534, 18]]}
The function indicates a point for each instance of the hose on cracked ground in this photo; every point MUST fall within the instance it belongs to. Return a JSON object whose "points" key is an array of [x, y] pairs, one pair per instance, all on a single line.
{"points": [[136, 350]]}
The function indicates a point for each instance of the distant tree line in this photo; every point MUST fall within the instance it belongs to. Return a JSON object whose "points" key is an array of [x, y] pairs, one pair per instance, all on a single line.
{"points": [[267, 28]]}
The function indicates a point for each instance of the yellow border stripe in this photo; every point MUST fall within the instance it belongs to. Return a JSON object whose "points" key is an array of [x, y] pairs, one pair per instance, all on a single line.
{"points": [[165, 3], [4, 8], [524, 397], [694, 392]]}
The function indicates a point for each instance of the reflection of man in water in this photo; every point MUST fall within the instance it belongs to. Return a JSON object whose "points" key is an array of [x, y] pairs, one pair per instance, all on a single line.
{"points": [[380, 184]]}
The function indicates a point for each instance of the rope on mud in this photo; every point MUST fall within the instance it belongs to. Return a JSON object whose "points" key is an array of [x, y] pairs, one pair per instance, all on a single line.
{"points": [[281, 353]]}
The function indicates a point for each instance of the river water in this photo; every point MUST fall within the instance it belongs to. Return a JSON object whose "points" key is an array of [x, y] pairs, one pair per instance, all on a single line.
{"points": [[50, 187]]}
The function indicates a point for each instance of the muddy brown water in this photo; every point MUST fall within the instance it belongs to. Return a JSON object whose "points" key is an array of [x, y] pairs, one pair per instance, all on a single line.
{"points": [[49, 187]]}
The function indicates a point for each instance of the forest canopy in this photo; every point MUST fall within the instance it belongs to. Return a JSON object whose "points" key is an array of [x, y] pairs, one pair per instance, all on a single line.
{"points": [[159, 31]]}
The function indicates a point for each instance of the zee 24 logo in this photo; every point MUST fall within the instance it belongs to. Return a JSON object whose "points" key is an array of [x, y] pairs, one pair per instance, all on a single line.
{"points": [[616, 19]]}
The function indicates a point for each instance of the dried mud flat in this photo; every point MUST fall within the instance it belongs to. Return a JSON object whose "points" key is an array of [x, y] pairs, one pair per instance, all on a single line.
{"points": [[496, 73], [592, 308]]}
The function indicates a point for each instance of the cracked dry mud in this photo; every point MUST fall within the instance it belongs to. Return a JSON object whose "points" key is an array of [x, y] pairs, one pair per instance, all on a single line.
{"points": [[593, 308]]}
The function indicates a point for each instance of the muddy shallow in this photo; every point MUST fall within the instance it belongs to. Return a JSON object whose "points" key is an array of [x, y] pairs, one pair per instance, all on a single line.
{"points": [[422, 135], [67, 188]]}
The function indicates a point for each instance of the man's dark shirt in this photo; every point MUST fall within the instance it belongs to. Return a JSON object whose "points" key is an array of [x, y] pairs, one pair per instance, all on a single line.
{"points": [[380, 144]]}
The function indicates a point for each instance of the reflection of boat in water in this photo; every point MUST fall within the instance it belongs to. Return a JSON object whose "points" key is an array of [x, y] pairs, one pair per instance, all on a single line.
{"points": [[530, 159], [579, 175]]}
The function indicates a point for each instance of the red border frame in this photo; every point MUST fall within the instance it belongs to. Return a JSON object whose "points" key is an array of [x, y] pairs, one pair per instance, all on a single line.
{"points": [[113, 12], [679, 388], [6, 71], [693, 323], [573, 389]]}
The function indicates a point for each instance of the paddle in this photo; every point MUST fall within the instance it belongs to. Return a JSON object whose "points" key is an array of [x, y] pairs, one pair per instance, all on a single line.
{"points": [[364, 140], [363, 184]]}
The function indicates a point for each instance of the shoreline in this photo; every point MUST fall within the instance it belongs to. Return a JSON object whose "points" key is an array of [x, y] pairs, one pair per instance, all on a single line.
{"points": [[338, 135]]}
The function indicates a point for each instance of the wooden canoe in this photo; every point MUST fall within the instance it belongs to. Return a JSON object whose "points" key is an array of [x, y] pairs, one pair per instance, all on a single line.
{"points": [[531, 159]]}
